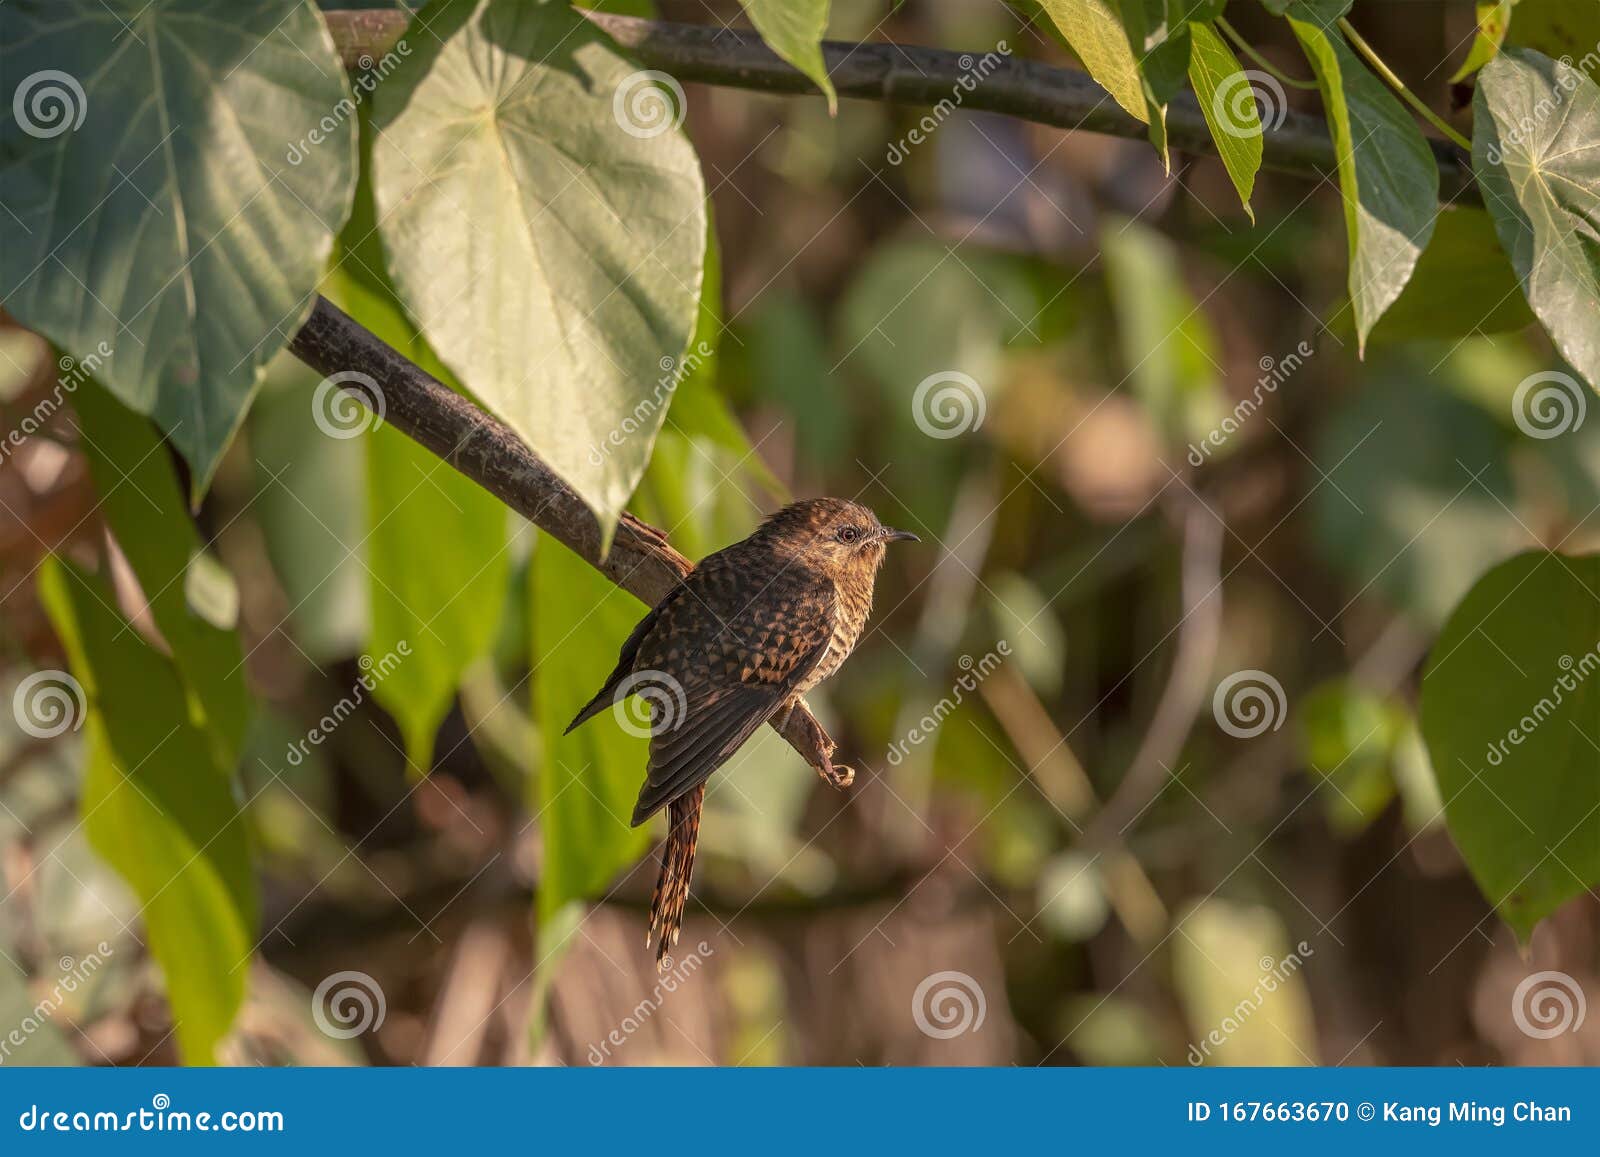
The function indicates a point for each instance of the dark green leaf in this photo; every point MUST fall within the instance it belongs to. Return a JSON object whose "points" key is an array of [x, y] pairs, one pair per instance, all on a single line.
{"points": [[544, 226], [185, 222], [1511, 717], [157, 807], [1388, 177], [1536, 153]]}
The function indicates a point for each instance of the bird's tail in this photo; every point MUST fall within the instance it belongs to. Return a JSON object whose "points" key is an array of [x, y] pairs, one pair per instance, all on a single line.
{"points": [[677, 865]]}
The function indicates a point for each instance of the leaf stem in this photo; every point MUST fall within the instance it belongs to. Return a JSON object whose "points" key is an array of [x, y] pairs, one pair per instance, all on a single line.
{"points": [[1399, 86], [1260, 61]]}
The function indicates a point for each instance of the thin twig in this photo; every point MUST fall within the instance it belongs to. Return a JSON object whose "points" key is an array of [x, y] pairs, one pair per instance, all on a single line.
{"points": [[910, 74]]}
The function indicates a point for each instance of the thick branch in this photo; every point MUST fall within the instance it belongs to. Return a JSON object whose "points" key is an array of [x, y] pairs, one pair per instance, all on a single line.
{"points": [[908, 74], [640, 561]]}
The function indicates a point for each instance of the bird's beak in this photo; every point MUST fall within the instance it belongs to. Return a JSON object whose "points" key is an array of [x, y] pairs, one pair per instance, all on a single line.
{"points": [[889, 534]]}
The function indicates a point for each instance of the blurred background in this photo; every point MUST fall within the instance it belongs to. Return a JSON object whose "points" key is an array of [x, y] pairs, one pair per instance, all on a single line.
{"points": [[1139, 778]]}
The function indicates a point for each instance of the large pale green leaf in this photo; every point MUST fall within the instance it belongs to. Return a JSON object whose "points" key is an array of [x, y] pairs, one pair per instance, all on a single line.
{"points": [[793, 29], [184, 222], [157, 807], [1094, 30], [1511, 717], [1228, 103], [1536, 154], [435, 543], [588, 780], [1388, 177], [188, 591], [545, 234]]}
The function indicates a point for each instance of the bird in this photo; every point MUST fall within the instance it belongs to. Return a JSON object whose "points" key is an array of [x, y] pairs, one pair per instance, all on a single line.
{"points": [[735, 644]]}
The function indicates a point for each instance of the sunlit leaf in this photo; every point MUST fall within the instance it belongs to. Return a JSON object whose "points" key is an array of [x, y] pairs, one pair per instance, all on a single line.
{"points": [[158, 808], [1229, 107], [1493, 19], [1536, 124], [1097, 37], [793, 29], [544, 221], [1388, 177]]}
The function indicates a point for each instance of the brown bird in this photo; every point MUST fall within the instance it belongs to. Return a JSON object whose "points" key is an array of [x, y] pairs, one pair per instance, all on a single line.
{"points": [[735, 644]]}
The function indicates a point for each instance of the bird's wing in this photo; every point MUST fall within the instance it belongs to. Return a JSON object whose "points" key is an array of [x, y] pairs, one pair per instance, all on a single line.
{"points": [[625, 661], [738, 646]]}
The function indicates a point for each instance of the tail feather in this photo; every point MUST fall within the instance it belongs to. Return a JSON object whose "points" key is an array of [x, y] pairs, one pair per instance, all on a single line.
{"points": [[677, 865]]}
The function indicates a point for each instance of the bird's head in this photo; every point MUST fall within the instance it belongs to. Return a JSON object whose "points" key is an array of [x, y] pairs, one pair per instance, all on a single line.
{"points": [[841, 538]]}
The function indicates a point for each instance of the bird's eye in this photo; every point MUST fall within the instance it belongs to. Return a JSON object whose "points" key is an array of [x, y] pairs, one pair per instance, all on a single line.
{"points": [[848, 534]]}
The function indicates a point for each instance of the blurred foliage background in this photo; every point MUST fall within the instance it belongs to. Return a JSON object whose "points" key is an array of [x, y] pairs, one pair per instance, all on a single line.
{"points": [[1113, 873]]}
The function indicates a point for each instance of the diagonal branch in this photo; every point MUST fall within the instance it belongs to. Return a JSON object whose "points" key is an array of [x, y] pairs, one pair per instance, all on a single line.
{"points": [[909, 74], [641, 560]]}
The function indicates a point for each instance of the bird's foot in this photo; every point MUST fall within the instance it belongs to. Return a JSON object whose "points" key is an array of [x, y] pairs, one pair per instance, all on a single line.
{"points": [[836, 775]]}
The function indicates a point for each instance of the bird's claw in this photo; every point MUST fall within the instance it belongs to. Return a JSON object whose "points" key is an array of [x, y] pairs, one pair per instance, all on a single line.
{"points": [[839, 777]]}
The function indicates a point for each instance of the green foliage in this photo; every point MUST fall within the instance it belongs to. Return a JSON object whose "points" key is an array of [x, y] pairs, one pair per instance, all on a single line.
{"points": [[550, 259], [793, 29], [159, 808], [1493, 19], [1097, 36], [1235, 123], [1388, 178], [1535, 122], [182, 219], [1510, 707]]}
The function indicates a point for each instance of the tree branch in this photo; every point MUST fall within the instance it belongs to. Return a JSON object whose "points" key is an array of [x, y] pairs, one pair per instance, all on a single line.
{"points": [[908, 74], [641, 560]]}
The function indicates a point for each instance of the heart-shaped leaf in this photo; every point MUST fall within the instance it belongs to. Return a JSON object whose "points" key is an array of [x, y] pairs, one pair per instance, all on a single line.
{"points": [[1511, 717], [1536, 154], [545, 224], [164, 196]]}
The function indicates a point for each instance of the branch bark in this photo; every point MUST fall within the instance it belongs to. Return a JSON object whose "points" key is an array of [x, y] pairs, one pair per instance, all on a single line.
{"points": [[641, 560], [909, 74]]}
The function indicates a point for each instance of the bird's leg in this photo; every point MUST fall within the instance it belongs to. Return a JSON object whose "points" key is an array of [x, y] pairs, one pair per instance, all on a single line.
{"points": [[822, 746]]}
